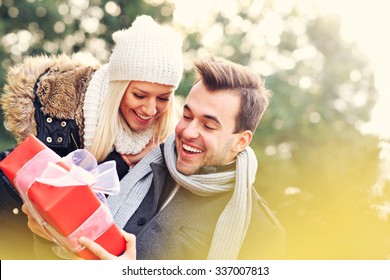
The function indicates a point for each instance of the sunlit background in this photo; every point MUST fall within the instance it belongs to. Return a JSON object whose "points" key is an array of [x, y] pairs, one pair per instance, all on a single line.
{"points": [[323, 146]]}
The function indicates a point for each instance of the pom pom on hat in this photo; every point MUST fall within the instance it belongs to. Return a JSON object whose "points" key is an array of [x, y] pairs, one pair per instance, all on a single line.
{"points": [[147, 52]]}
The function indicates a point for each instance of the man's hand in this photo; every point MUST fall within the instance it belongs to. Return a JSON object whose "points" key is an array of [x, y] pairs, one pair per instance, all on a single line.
{"points": [[34, 226], [99, 251]]}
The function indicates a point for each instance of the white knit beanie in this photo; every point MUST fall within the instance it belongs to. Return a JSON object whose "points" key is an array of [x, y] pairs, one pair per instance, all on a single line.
{"points": [[147, 52]]}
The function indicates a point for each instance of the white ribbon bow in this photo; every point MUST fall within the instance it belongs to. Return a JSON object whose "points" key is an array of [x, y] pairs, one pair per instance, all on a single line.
{"points": [[83, 169]]}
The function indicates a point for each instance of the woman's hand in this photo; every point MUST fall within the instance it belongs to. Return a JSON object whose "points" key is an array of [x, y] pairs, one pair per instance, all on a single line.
{"points": [[33, 225], [134, 159], [99, 251]]}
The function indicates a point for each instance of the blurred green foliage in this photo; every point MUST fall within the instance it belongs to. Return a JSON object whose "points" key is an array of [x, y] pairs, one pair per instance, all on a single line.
{"points": [[316, 170]]}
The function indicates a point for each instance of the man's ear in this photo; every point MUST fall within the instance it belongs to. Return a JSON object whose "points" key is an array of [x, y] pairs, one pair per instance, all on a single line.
{"points": [[244, 139]]}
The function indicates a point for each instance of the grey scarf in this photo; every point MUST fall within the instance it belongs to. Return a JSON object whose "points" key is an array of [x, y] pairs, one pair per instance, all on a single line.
{"points": [[233, 223]]}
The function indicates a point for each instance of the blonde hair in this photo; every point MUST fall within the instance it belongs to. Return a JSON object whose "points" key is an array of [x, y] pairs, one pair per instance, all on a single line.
{"points": [[110, 120]]}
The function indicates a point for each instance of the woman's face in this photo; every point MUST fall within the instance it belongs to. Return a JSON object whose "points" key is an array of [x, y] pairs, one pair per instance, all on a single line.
{"points": [[143, 103]]}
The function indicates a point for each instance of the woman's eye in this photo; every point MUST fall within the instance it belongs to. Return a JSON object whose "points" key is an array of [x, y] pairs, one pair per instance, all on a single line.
{"points": [[138, 96]]}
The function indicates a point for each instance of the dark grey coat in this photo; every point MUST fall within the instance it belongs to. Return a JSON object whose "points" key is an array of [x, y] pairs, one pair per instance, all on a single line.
{"points": [[184, 228]]}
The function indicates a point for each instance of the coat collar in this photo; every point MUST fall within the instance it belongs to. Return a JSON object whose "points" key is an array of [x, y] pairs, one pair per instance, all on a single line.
{"points": [[160, 174]]}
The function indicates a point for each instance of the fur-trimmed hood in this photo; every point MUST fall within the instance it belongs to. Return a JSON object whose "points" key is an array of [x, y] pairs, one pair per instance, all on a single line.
{"points": [[60, 84]]}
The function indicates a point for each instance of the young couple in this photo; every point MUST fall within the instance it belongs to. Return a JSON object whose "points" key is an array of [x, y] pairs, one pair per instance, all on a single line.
{"points": [[191, 196]]}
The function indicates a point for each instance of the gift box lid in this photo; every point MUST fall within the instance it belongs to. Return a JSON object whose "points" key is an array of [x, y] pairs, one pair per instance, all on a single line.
{"points": [[24, 152]]}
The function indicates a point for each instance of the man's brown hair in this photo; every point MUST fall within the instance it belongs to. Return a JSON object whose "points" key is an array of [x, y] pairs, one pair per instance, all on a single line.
{"points": [[218, 74]]}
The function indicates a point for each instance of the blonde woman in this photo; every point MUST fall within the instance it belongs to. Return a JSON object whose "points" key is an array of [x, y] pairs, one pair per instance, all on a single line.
{"points": [[118, 111], [114, 111], [144, 70]]}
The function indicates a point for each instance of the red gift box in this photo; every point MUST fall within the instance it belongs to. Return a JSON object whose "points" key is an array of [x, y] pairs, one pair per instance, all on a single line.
{"points": [[65, 209]]}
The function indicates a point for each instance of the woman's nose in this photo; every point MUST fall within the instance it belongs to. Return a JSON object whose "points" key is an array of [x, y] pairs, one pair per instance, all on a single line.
{"points": [[150, 108]]}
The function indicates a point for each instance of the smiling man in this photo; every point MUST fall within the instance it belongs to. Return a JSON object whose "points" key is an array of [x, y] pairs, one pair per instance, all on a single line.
{"points": [[206, 134], [193, 197]]}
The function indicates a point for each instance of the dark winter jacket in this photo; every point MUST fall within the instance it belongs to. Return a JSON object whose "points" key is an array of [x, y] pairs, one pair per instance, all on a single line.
{"points": [[43, 96]]}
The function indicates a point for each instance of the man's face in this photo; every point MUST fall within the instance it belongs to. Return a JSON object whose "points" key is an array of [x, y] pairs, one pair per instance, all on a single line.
{"points": [[204, 134]]}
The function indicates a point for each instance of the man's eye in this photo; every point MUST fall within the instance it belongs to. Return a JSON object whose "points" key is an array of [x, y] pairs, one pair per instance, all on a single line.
{"points": [[209, 127]]}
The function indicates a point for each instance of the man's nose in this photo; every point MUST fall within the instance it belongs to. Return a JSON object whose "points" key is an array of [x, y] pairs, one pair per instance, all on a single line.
{"points": [[191, 131]]}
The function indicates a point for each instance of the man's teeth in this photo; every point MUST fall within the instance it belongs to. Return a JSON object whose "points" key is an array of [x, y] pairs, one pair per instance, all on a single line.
{"points": [[191, 149], [143, 117]]}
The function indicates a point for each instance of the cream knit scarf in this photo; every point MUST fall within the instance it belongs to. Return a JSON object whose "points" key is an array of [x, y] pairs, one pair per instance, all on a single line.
{"points": [[130, 142], [232, 224]]}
